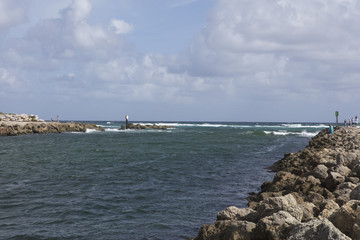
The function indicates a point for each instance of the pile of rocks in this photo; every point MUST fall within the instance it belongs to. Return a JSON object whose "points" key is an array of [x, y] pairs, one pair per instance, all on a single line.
{"points": [[8, 129], [315, 194], [11, 117], [144, 126]]}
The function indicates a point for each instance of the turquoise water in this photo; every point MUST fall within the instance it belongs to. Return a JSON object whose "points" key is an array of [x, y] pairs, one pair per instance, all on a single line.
{"points": [[133, 184]]}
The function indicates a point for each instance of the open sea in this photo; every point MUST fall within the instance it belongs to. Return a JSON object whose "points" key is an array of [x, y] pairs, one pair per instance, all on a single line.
{"points": [[136, 184]]}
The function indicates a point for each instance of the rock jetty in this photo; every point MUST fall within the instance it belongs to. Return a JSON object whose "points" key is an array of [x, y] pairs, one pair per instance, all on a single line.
{"points": [[144, 126], [19, 124], [11, 117], [315, 194]]}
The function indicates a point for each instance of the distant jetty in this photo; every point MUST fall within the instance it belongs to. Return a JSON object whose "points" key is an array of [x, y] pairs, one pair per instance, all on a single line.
{"points": [[315, 194], [19, 124], [144, 126]]}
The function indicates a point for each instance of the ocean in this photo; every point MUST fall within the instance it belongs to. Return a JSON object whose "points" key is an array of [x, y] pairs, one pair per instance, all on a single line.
{"points": [[136, 184]]}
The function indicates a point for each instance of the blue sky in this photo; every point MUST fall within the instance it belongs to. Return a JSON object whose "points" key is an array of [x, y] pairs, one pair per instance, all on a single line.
{"points": [[194, 60]]}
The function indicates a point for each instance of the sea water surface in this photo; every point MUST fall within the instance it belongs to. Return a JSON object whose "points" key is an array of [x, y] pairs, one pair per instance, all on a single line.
{"points": [[136, 184]]}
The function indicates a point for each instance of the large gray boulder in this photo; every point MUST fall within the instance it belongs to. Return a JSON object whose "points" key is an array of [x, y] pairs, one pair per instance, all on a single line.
{"points": [[320, 172], [227, 229], [285, 203], [241, 214], [317, 229], [276, 226]]}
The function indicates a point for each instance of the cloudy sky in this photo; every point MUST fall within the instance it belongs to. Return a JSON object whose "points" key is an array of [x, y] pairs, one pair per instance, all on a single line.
{"points": [[194, 60]]}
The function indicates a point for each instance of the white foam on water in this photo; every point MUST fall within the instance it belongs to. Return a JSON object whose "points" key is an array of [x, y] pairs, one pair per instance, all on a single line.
{"points": [[214, 125], [281, 133], [88, 130], [299, 125], [308, 134], [303, 133], [112, 130]]}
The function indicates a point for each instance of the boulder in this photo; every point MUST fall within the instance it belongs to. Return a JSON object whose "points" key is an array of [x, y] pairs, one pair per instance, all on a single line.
{"points": [[342, 170], [227, 229], [320, 172], [234, 213], [316, 229], [275, 204], [276, 226], [342, 195], [309, 211], [347, 218], [334, 179], [354, 180], [265, 195], [355, 193], [316, 198], [328, 208], [282, 181]]}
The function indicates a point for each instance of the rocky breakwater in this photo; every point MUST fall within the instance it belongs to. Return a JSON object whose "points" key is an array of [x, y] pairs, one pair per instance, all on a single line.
{"points": [[18, 126], [144, 126], [315, 194], [11, 117]]}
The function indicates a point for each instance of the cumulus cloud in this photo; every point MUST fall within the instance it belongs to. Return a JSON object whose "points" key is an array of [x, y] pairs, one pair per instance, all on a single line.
{"points": [[121, 27], [249, 52], [279, 42], [67, 52]]}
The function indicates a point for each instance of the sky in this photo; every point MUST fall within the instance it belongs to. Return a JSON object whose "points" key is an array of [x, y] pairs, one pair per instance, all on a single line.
{"points": [[181, 60]]}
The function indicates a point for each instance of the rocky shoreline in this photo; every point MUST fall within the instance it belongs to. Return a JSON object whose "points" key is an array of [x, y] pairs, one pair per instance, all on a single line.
{"points": [[315, 194], [19, 124]]}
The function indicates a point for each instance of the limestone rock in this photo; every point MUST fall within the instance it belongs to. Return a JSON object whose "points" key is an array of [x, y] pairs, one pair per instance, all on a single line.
{"points": [[234, 213], [275, 204], [317, 229], [347, 219], [227, 229], [309, 211], [334, 179], [320, 172], [328, 208], [11, 117], [275, 226], [342, 170]]}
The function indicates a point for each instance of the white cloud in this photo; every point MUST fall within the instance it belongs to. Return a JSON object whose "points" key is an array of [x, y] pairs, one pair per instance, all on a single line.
{"points": [[78, 12], [121, 27], [10, 14], [7, 79], [249, 52], [88, 36], [276, 44]]}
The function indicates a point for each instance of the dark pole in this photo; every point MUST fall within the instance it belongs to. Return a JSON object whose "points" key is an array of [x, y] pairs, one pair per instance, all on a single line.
{"points": [[127, 122]]}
